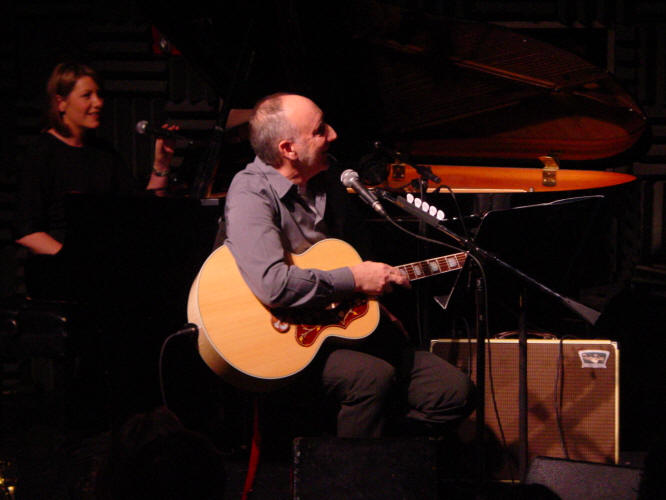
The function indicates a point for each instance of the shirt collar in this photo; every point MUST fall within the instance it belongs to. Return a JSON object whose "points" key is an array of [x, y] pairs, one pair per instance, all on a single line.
{"points": [[278, 182]]}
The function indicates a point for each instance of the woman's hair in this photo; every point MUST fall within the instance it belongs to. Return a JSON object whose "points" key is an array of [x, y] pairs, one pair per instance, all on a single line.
{"points": [[61, 83]]}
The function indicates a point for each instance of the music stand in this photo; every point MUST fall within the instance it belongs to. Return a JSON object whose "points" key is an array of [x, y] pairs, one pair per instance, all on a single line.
{"points": [[546, 242], [540, 247]]}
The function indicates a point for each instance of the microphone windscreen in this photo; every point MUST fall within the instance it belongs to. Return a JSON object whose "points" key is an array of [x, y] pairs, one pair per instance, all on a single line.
{"points": [[141, 126], [348, 177]]}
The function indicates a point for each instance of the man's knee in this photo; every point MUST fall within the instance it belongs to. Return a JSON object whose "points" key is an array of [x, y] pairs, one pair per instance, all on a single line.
{"points": [[374, 380], [462, 389], [354, 375], [441, 391], [464, 395]]}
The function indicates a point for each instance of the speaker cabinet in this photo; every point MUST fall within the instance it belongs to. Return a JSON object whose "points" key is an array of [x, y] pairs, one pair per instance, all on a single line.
{"points": [[364, 469], [571, 480], [577, 379]]}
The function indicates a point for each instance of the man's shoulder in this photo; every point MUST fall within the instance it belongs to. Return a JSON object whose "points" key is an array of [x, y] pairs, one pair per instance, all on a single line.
{"points": [[250, 182], [251, 175], [257, 177]]}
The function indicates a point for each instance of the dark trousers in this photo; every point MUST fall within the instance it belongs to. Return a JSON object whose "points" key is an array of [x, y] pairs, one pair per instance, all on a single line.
{"points": [[368, 389], [384, 376], [370, 384]]}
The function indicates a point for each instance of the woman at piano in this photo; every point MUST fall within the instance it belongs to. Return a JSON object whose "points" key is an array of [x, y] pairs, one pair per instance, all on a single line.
{"points": [[67, 157]]}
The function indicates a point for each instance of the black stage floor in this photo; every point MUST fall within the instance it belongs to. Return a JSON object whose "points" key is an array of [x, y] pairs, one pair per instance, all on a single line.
{"points": [[48, 457]]}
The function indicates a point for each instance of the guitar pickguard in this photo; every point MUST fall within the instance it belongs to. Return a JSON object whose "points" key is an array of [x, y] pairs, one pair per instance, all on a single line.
{"points": [[340, 316]]}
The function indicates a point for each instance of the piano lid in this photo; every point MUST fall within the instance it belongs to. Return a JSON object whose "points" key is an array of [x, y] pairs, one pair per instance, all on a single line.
{"points": [[434, 87]]}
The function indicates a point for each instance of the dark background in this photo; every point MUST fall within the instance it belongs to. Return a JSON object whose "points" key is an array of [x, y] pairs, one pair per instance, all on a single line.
{"points": [[144, 81]]}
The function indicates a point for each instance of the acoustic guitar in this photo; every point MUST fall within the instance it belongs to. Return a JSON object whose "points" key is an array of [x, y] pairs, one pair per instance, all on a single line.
{"points": [[257, 348]]}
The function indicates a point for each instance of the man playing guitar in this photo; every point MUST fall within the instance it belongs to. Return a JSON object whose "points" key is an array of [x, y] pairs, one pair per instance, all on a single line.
{"points": [[284, 202]]}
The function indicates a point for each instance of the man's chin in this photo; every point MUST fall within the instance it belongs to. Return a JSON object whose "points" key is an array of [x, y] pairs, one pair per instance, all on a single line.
{"points": [[327, 160], [323, 164]]}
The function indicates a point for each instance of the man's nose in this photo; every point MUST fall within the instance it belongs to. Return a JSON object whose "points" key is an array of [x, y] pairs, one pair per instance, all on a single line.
{"points": [[331, 135]]}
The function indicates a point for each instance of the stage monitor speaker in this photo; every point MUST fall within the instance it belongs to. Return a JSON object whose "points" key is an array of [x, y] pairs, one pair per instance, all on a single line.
{"points": [[571, 480], [578, 377], [367, 469]]}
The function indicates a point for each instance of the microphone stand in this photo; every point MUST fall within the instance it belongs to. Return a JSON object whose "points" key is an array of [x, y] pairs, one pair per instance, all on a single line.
{"points": [[421, 314], [426, 174], [588, 314]]}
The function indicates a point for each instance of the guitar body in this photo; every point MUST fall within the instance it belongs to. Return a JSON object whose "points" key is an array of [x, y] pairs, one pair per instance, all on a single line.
{"points": [[239, 338]]}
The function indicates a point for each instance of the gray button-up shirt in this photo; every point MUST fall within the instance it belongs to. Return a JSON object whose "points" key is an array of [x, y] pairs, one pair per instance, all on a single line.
{"points": [[266, 219]]}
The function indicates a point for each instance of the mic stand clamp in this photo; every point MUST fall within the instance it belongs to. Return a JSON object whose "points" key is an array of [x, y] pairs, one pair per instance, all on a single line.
{"points": [[426, 174]]}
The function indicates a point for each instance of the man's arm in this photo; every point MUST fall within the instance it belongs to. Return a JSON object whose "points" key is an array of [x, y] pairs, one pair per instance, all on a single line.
{"points": [[254, 239]]}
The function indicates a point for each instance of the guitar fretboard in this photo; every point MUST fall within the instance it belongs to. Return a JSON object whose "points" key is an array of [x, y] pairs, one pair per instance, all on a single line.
{"points": [[431, 267]]}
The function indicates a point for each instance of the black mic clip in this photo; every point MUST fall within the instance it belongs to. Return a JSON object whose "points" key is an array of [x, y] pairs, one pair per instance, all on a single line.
{"points": [[374, 166], [426, 173]]}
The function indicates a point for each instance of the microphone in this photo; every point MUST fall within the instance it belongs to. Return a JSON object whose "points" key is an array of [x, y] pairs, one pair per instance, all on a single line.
{"points": [[144, 127], [349, 178]]}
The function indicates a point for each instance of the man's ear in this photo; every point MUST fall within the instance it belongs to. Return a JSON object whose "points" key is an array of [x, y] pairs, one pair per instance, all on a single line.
{"points": [[286, 149]]}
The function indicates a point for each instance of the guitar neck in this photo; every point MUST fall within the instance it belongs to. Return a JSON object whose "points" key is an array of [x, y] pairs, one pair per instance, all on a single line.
{"points": [[433, 267]]}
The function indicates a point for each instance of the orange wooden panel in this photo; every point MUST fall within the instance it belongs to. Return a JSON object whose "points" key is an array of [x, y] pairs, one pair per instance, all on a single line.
{"points": [[508, 179]]}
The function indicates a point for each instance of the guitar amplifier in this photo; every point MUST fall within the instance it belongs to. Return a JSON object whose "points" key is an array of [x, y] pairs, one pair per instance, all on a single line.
{"points": [[573, 397]]}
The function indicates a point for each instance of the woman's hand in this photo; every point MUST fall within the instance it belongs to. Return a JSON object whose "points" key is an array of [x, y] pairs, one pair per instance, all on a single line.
{"points": [[164, 150]]}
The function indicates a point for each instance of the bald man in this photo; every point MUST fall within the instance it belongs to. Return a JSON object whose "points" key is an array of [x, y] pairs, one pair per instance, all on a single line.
{"points": [[285, 201]]}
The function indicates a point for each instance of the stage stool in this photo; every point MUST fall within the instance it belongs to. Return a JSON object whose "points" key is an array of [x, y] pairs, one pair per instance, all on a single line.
{"points": [[34, 344], [50, 350]]}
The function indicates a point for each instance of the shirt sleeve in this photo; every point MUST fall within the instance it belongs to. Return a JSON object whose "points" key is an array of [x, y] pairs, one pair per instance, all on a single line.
{"points": [[254, 239]]}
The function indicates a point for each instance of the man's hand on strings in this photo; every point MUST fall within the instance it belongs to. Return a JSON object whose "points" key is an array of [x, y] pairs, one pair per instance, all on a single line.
{"points": [[376, 278]]}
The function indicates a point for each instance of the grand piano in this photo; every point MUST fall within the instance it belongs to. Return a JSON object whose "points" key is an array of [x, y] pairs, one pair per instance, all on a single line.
{"points": [[439, 89]]}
